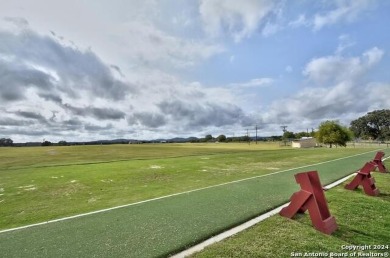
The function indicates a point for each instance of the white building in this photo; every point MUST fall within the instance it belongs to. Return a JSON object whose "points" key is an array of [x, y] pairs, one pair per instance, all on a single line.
{"points": [[304, 142]]}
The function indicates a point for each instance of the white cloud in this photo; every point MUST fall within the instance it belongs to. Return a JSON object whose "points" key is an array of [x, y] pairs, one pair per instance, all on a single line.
{"points": [[324, 69], [341, 91], [239, 19], [299, 22], [126, 34], [378, 95], [258, 82], [336, 68], [182, 19], [345, 42], [275, 21], [145, 44], [315, 104], [270, 29], [345, 11], [74, 93], [126, 70], [373, 56], [342, 11]]}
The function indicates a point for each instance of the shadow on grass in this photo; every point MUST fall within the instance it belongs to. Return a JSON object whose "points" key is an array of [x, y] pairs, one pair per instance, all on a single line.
{"points": [[384, 196]]}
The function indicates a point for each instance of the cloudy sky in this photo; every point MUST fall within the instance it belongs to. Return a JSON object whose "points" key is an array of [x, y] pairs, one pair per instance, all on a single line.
{"points": [[89, 70]]}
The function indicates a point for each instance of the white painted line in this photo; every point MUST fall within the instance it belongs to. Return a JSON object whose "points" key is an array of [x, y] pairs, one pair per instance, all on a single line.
{"points": [[242, 227], [176, 194], [338, 182]]}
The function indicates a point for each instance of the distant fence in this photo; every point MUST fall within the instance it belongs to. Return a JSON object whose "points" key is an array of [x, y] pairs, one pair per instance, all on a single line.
{"points": [[360, 144], [368, 144]]}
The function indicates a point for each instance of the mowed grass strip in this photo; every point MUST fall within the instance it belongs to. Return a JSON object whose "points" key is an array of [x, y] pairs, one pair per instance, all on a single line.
{"points": [[165, 226], [362, 220], [31, 194]]}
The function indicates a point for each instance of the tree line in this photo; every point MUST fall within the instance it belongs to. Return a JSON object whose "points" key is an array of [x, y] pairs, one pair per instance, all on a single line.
{"points": [[287, 135], [374, 125]]}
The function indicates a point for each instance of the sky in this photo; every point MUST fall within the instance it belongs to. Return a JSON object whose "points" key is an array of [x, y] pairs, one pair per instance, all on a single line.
{"points": [[82, 70]]}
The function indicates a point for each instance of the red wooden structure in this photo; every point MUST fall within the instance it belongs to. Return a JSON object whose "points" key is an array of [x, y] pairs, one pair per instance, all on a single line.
{"points": [[364, 178], [378, 161], [311, 197]]}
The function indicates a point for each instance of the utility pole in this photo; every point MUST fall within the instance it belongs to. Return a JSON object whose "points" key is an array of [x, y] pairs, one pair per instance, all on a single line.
{"points": [[247, 134], [256, 134], [284, 131]]}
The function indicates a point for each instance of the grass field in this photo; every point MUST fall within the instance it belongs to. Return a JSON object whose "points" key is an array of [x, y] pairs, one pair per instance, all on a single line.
{"points": [[39, 184]]}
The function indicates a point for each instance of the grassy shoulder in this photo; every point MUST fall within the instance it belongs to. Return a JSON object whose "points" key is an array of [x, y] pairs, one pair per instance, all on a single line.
{"points": [[362, 220]]}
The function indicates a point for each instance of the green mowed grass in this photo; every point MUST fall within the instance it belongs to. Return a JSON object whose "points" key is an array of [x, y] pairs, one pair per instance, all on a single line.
{"points": [[14, 158], [362, 220], [165, 226], [43, 183]]}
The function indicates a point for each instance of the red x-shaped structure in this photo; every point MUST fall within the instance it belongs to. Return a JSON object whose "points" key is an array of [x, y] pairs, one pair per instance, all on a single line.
{"points": [[378, 161], [311, 197], [364, 178]]}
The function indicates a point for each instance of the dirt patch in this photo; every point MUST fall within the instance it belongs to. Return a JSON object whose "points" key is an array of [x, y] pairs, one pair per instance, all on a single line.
{"points": [[156, 167], [157, 177], [25, 186], [30, 189], [107, 180], [68, 189], [93, 199], [52, 152]]}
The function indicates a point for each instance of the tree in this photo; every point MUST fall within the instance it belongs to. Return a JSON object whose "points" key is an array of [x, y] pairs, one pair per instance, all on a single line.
{"points": [[331, 132], [374, 125], [221, 138], [46, 143], [62, 143], [288, 135], [208, 137], [6, 142]]}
